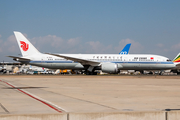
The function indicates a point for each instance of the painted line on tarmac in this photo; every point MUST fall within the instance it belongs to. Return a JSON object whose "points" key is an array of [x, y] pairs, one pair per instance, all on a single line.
{"points": [[51, 105], [4, 108], [84, 100]]}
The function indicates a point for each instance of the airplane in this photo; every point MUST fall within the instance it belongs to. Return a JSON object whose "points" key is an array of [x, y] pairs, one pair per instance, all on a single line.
{"points": [[177, 68], [108, 63], [125, 50], [3, 67]]}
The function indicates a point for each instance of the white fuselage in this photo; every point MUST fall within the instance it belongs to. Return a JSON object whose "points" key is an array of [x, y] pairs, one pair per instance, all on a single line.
{"points": [[127, 62]]}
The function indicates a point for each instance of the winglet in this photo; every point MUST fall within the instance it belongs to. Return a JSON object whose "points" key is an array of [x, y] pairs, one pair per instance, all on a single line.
{"points": [[125, 50]]}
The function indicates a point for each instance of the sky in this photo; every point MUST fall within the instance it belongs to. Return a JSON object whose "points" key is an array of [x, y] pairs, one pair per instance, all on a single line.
{"points": [[91, 26]]}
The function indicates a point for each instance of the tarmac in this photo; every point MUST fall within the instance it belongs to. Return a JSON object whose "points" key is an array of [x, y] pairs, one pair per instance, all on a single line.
{"points": [[52, 94]]}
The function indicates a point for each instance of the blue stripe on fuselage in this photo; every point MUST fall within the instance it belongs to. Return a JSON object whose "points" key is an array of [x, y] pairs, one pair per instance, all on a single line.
{"points": [[137, 62], [146, 62]]}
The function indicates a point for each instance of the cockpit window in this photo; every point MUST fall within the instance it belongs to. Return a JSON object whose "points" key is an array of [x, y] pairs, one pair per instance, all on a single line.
{"points": [[168, 60]]}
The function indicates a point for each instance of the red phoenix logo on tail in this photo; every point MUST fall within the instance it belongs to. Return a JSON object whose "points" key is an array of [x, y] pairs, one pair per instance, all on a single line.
{"points": [[24, 46]]}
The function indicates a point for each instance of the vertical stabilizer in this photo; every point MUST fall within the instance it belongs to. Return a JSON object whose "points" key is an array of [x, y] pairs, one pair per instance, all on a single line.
{"points": [[26, 48], [177, 58], [125, 50]]}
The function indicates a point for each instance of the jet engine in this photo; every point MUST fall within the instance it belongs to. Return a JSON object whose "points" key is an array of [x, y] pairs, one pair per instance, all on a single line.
{"points": [[109, 68], [16, 59]]}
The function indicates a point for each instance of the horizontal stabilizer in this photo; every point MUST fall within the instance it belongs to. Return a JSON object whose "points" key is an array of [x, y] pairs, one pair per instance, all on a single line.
{"points": [[19, 58]]}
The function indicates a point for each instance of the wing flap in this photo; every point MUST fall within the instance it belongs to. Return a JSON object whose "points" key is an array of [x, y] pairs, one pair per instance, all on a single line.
{"points": [[19, 58]]}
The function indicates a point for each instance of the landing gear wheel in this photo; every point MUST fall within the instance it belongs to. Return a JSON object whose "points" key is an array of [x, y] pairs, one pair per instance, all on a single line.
{"points": [[91, 73]]}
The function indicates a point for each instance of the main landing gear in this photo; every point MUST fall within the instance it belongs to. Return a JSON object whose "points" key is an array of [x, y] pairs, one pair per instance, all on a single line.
{"points": [[90, 73], [90, 70]]}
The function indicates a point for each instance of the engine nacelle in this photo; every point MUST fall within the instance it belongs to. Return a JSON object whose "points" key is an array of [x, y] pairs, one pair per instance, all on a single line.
{"points": [[109, 68], [16, 59]]}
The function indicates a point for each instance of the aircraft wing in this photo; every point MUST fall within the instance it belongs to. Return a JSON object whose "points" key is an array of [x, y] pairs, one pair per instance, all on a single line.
{"points": [[80, 60], [19, 58]]}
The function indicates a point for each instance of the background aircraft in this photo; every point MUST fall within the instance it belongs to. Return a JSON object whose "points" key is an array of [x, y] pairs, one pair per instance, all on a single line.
{"points": [[125, 50]]}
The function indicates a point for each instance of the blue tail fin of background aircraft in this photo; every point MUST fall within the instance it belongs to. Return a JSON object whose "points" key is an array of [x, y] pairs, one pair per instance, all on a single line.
{"points": [[126, 49]]}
